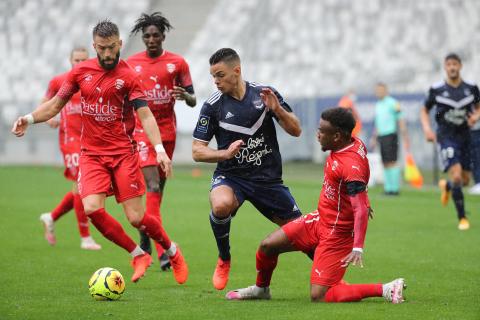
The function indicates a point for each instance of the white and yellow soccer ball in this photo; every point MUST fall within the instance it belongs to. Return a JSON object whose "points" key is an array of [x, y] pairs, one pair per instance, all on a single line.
{"points": [[106, 284]]}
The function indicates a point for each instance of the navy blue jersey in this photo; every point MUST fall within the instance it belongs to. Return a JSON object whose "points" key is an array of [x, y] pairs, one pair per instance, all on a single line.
{"points": [[229, 119], [454, 105]]}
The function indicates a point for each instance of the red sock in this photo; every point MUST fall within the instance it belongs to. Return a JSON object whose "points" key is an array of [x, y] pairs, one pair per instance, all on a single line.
{"points": [[112, 229], [82, 219], [154, 201], [265, 266], [63, 207], [353, 292], [153, 228]]}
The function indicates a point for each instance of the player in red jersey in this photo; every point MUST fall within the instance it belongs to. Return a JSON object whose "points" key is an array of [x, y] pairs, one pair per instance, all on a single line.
{"points": [[110, 93], [165, 78], [69, 140], [335, 231]]}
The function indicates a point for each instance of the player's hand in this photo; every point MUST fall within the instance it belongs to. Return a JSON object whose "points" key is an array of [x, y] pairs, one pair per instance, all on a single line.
{"points": [[354, 258], [270, 99], [20, 126], [472, 119], [430, 136], [233, 149], [165, 163], [370, 213], [53, 123], [178, 93]]}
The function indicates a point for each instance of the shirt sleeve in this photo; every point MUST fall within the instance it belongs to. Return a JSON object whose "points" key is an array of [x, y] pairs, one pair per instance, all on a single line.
{"points": [[135, 89], [207, 124], [69, 86], [476, 94], [430, 100], [353, 170], [184, 79], [52, 89]]}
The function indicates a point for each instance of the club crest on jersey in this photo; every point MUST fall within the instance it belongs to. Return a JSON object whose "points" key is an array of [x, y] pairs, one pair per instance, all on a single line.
{"points": [[258, 104], [170, 67], [467, 92], [138, 69], [88, 77], [119, 84], [334, 165], [202, 125], [445, 94]]}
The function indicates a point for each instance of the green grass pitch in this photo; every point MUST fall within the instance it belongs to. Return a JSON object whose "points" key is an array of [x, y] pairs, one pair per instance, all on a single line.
{"points": [[411, 236]]}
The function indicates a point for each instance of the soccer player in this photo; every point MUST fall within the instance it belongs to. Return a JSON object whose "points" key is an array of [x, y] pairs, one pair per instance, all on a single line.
{"points": [[70, 127], [110, 93], [388, 121], [457, 105], [335, 231], [165, 78], [249, 166]]}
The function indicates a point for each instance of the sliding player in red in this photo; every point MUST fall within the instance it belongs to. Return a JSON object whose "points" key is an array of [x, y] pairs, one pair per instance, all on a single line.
{"points": [[70, 127], [165, 78], [336, 231], [110, 93]]}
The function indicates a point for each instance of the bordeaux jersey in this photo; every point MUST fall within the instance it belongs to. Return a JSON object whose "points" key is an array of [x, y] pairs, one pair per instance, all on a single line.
{"points": [[71, 115], [341, 167], [454, 105], [107, 116], [228, 120], [157, 77]]}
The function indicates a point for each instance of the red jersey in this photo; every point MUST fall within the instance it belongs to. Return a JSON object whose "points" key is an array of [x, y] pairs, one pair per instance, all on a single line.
{"points": [[70, 116], [342, 166], [108, 119], [158, 76]]}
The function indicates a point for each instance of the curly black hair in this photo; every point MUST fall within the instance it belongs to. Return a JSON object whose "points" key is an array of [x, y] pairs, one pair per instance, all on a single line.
{"points": [[340, 118], [155, 19]]}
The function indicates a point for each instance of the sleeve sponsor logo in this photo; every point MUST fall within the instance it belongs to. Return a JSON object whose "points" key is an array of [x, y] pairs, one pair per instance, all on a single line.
{"points": [[202, 125]]}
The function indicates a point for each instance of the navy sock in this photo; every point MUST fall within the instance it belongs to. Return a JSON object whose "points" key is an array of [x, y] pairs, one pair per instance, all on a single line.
{"points": [[221, 231], [457, 196], [449, 185]]}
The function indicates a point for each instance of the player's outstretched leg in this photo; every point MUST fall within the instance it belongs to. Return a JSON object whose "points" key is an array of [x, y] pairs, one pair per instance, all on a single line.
{"points": [[113, 231], [154, 230]]}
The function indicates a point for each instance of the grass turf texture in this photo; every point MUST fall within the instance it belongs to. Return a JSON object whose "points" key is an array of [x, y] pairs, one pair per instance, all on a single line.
{"points": [[411, 236]]}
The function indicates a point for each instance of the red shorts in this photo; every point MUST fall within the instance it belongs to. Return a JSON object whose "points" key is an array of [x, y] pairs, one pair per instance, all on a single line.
{"points": [[307, 235], [71, 154], [102, 174], [147, 153]]}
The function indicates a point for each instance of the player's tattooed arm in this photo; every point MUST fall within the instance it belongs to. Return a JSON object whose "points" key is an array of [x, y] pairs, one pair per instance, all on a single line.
{"points": [[474, 116], [187, 94], [287, 120]]}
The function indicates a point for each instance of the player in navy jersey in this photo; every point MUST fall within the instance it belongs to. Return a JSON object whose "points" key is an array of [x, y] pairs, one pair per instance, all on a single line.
{"points": [[457, 105], [249, 165]]}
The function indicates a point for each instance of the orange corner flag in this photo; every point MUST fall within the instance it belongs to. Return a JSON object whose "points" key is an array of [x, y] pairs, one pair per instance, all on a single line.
{"points": [[412, 174]]}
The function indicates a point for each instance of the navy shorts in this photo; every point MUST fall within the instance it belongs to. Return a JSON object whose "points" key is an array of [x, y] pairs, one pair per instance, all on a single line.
{"points": [[454, 150], [273, 200], [388, 147]]}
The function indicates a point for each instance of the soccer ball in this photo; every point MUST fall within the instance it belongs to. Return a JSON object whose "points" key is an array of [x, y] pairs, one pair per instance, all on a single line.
{"points": [[106, 284]]}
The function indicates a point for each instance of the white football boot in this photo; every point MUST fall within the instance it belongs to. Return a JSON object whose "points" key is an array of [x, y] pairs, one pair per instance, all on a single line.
{"points": [[393, 291], [49, 227], [249, 293]]}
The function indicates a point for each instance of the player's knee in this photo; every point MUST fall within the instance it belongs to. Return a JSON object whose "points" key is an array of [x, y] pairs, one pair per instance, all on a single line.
{"points": [[222, 207], [135, 219], [457, 181], [317, 296], [266, 246], [90, 208]]}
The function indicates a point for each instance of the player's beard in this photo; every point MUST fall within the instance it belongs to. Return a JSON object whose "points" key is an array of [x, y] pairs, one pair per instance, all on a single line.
{"points": [[109, 66]]}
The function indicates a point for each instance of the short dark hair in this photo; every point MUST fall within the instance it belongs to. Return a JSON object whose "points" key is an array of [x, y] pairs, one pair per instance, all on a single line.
{"points": [[155, 19], [105, 29], [453, 56], [226, 55], [340, 118]]}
